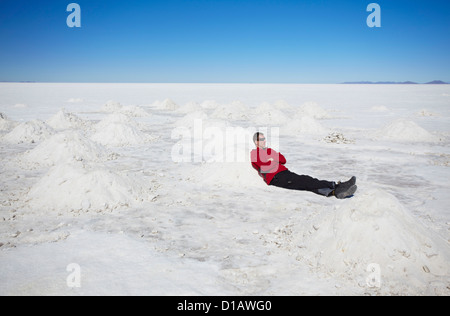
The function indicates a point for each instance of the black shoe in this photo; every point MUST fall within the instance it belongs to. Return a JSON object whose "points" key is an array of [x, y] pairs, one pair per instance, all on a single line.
{"points": [[349, 183], [345, 189], [343, 193]]}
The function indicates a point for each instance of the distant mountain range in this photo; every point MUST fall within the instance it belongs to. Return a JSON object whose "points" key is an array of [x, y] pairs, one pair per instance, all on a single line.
{"points": [[393, 82]]}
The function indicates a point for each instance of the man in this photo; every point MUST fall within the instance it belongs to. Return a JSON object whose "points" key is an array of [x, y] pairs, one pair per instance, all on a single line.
{"points": [[270, 166]]}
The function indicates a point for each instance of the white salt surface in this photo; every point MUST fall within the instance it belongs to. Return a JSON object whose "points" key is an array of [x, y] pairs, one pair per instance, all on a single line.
{"points": [[99, 188]]}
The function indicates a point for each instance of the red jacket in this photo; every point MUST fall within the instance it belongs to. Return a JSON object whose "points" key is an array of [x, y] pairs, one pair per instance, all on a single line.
{"points": [[268, 169]]}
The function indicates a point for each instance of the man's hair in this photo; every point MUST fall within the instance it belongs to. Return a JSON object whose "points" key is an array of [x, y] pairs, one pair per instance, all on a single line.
{"points": [[256, 136]]}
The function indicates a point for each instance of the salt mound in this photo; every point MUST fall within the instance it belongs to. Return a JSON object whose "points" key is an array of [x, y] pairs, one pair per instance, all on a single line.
{"points": [[237, 174], [283, 105], [67, 147], [404, 131], [270, 118], [212, 141], [29, 132], [235, 111], [134, 111], [63, 120], [120, 118], [227, 161], [312, 109], [206, 105], [5, 123], [268, 115], [130, 110], [199, 126], [79, 186], [226, 175], [190, 107], [189, 119], [116, 131], [225, 157], [210, 105], [111, 106], [374, 228], [304, 125], [264, 107], [166, 105], [115, 117]]}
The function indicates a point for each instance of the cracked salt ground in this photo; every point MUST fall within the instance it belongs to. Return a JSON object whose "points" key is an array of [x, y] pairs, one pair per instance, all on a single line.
{"points": [[142, 224]]}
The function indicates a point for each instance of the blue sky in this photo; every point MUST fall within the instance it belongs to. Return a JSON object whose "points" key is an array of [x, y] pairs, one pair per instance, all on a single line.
{"points": [[224, 41]]}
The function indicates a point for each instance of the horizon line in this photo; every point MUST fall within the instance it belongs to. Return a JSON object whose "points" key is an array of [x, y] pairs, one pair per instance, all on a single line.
{"points": [[436, 82]]}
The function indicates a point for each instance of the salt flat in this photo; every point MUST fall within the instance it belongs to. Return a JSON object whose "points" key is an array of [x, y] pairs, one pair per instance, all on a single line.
{"points": [[149, 190]]}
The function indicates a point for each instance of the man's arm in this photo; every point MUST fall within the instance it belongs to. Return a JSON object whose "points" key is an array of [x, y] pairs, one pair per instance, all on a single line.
{"points": [[272, 160], [282, 159], [257, 162], [275, 156]]}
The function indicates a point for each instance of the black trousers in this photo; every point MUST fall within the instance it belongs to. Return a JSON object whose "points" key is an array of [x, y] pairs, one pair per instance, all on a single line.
{"points": [[292, 181]]}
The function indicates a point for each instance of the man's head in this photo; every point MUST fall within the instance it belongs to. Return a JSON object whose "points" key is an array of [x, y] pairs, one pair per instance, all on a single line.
{"points": [[260, 140]]}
